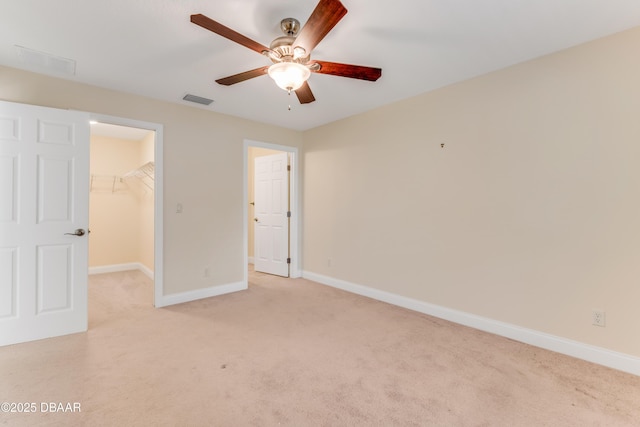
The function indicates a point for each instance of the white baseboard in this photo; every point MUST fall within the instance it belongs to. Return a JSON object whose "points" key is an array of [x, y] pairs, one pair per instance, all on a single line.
{"points": [[146, 270], [171, 299], [114, 268], [599, 355], [251, 260], [197, 294]]}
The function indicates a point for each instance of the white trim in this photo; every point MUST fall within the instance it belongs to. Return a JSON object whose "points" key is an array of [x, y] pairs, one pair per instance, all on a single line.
{"points": [[147, 271], [158, 195], [602, 356], [114, 268], [250, 260], [197, 294], [295, 269]]}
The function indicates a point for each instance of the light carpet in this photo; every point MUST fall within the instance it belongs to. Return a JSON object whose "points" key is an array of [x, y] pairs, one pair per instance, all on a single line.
{"points": [[292, 352]]}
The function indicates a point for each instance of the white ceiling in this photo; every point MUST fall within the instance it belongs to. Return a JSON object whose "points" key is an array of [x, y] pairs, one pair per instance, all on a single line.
{"points": [[150, 48], [119, 132]]}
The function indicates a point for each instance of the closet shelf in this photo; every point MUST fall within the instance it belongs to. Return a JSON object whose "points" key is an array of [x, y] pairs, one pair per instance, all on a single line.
{"points": [[101, 182], [145, 174]]}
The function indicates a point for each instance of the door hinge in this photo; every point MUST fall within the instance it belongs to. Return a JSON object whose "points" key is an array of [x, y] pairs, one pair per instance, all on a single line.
{"points": [[288, 260], [288, 167], [288, 214]]}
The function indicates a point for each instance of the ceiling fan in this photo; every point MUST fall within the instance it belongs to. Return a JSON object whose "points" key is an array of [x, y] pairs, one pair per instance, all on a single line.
{"points": [[291, 53]]}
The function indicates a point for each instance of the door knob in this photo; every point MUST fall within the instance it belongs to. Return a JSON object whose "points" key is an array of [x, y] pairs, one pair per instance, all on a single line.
{"points": [[255, 219], [78, 232]]}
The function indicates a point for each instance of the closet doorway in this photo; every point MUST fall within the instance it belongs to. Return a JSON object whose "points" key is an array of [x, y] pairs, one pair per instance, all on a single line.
{"points": [[122, 199], [251, 151]]}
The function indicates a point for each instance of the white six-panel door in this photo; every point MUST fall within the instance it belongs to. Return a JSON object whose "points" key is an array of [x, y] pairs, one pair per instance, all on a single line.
{"points": [[271, 190], [44, 199]]}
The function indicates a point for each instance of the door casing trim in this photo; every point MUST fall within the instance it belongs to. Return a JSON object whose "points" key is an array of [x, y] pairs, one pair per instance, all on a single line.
{"points": [[295, 269]]}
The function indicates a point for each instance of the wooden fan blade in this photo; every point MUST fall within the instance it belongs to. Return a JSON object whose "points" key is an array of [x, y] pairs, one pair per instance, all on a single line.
{"points": [[323, 18], [228, 33], [304, 94], [352, 71], [240, 77]]}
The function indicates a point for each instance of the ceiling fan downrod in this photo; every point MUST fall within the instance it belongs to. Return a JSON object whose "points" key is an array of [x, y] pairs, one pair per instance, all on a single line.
{"points": [[290, 26]]}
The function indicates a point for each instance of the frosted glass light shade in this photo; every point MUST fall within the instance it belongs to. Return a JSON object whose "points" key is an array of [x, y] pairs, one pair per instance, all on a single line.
{"points": [[289, 75]]}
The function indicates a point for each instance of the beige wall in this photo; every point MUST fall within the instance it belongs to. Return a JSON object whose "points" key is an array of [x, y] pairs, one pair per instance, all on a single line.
{"points": [[253, 152], [121, 213], [203, 154], [529, 215], [113, 205]]}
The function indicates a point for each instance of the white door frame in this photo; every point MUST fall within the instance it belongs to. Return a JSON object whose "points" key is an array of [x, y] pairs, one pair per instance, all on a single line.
{"points": [[295, 269], [158, 262]]}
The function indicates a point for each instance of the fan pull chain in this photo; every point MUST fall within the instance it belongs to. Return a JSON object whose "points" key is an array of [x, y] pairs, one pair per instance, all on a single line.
{"points": [[289, 92]]}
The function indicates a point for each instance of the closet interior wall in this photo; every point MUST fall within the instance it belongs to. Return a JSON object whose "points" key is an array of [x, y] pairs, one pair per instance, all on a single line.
{"points": [[121, 211]]}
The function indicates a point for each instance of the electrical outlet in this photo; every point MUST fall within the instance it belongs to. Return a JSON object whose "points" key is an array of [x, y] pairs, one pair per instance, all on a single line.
{"points": [[598, 318]]}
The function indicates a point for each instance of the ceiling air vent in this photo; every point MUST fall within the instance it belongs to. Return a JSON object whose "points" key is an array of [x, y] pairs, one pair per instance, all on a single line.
{"points": [[197, 99], [43, 61]]}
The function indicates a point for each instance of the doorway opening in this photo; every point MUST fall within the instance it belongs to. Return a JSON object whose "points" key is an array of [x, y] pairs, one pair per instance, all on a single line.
{"points": [[253, 150], [125, 198]]}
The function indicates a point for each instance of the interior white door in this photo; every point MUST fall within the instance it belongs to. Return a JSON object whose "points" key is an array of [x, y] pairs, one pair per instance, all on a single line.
{"points": [[44, 214], [271, 219]]}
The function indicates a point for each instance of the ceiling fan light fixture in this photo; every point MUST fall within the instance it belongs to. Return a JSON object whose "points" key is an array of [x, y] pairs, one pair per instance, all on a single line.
{"points": [[289, 75]]}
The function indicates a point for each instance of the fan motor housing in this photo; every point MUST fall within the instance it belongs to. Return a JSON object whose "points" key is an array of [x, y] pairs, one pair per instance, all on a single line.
{"points": [[283, 45]]}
